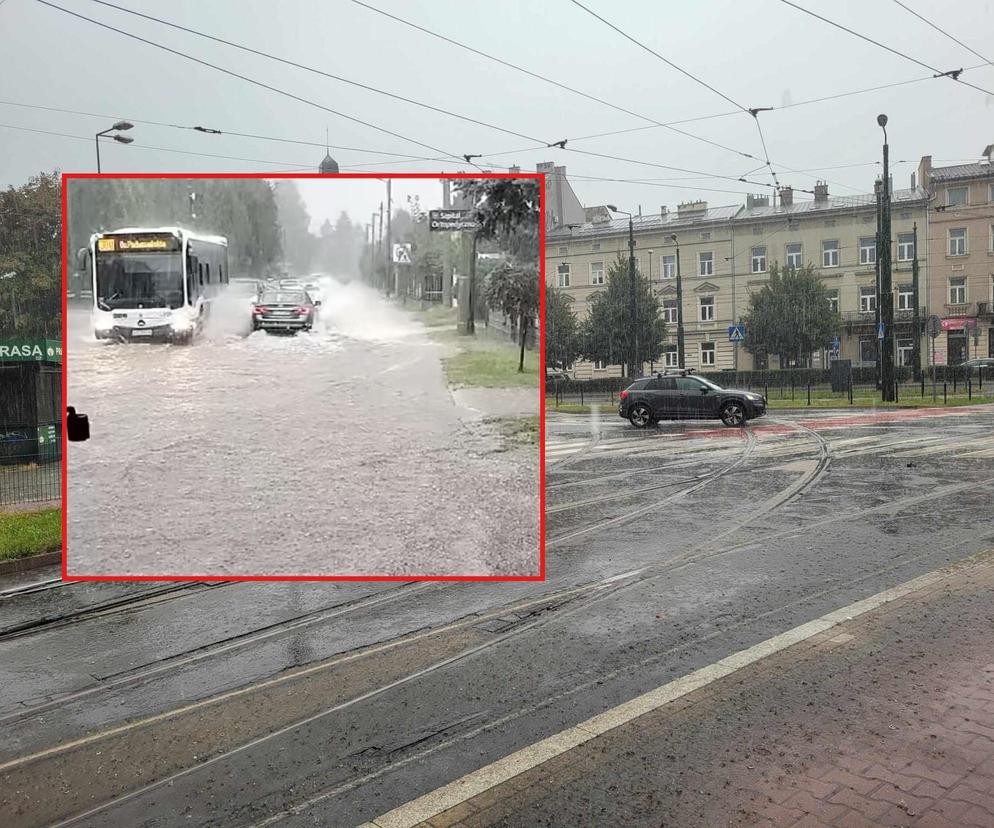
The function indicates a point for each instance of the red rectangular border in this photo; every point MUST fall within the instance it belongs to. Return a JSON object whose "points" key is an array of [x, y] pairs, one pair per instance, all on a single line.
{"points": [[67, 177]]}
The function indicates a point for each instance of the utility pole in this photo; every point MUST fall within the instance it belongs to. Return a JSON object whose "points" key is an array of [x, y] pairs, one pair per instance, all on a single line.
{"points": [[878, 303], [916, 331], [680, 355], [636, 367], [886, 287], [447, 250], [386, 274], [392, 268]]}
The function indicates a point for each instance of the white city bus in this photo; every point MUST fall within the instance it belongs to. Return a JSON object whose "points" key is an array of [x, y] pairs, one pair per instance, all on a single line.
{"points": [[153, 283]]}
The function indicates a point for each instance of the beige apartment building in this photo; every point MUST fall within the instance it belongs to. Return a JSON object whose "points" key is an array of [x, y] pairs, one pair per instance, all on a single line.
{"points": [[837, 235], [961, 257], [725, 255], [578, 258]]}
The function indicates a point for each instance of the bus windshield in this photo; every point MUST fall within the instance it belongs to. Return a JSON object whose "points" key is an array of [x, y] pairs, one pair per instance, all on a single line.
{"points": [[139, 280]]}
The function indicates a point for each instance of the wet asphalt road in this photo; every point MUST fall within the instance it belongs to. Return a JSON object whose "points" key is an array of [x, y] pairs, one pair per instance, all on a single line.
{"points": [[328, 704], [334, 452]]}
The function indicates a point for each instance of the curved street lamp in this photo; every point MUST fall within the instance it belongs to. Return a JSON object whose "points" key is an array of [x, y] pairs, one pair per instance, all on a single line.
{"points": [[121, 139]]}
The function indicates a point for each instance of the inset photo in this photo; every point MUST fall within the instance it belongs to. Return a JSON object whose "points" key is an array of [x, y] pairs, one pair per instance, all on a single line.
{"points": [[303, 377]]}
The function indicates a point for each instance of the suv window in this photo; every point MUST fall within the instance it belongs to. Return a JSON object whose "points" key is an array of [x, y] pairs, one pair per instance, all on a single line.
{"points": [[688, 384], [661, 384]]}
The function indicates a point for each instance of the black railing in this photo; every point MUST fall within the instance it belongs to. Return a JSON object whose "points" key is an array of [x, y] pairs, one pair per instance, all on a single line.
{"points": [[30, 463]]}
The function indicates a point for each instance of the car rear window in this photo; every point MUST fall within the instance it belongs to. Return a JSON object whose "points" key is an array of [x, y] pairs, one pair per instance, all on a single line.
{"points": [[283, 297]]}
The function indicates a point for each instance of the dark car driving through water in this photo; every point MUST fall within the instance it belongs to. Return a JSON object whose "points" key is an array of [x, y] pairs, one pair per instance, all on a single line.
{"points": [[283, 310], [680, 395]]}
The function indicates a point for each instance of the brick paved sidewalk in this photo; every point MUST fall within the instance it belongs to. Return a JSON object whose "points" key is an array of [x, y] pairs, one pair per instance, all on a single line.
{"points": [[885, 720]]}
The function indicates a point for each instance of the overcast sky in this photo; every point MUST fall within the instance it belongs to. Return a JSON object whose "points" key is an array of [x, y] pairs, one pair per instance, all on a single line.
{"points": [[758, 53]]}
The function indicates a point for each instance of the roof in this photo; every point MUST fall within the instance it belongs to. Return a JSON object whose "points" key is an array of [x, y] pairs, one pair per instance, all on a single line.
{"points": [[175, 231], [655, 221], [853, 202], [962, 172]]}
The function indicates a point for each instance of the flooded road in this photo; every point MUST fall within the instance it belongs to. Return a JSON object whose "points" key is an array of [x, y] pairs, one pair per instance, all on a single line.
{"points": [[334, 452]]}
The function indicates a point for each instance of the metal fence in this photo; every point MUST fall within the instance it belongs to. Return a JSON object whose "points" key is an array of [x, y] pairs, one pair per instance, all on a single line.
{"points": [[978, 388], [30, 463]]}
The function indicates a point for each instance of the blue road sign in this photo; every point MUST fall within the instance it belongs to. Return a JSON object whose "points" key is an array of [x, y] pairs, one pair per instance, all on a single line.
{"points": [[736, 333], [880, 331], [836, 344]]}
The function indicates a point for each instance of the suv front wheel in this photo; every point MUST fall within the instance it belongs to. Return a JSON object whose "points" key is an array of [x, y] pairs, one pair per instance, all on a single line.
{"points": [[640, 415], [733, 413]]}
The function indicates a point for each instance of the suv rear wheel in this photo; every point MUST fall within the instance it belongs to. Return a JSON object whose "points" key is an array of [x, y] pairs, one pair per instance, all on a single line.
{"points": [[640, 415], [733, 413]]}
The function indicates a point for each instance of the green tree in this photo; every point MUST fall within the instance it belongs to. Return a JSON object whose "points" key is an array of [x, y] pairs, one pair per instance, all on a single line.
{"points": [[790, 316], [562, 331], [30, 258], [513, 289], [508, 211], [609, 335]]}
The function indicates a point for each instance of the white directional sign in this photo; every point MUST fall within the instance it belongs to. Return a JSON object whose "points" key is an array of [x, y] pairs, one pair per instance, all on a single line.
{"points": [[402, 254]]}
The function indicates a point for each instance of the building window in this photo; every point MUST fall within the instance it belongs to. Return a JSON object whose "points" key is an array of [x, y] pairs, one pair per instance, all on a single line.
{"points": [[599, 365], [957, 241], [833, 300], [707, 353], [868, 350], [867, 250], [957, 196], [563, 275], [905, 297], [757, 231], [759, 258], [867, 299], [595, 246], [669, 266], [957, 291], [705, 263], [794, 256], [670, 357], [706, 235], [597, 273], [669, 311], [905, 352], [707, 309], [905, 247], [563, 251], [992, 238], [830, 253]]}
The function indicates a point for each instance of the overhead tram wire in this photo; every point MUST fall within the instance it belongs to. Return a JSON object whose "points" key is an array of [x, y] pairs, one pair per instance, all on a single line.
{"points": [[753, 111], [247, 79], [652, 121], [320, 72], [294, 166], [942, 31], [207, 130], [951, 74]]}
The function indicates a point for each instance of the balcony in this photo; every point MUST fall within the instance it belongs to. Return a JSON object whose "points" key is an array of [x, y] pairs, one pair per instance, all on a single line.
{"points": [[854, 318], [960, 309]]}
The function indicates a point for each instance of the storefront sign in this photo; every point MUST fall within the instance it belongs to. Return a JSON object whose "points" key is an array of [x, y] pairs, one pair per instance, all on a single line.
{"points": [[959, 323]]}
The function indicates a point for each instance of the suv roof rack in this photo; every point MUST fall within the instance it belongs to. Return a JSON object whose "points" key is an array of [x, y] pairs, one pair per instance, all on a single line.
{"points": [[675, 372]]}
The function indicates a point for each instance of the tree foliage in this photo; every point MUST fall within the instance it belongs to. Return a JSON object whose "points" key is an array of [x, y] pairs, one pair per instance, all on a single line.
{"points": [[562, 330], [508, 211], [790, 316], [609, 335], [513, 289], [30, 258]]}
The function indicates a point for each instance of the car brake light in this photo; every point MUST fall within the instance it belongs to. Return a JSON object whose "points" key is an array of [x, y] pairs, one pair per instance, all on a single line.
{"points": [[261, 309], [623, 395], [301, 311]]}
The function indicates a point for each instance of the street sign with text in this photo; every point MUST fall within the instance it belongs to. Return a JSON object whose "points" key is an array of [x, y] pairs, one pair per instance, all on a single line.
{"points": [[449, 220]]}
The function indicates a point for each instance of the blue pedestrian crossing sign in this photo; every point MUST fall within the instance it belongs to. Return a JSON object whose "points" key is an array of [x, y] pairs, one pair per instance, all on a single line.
{"points": [[836, 347], [736, 333], [880, 331]]}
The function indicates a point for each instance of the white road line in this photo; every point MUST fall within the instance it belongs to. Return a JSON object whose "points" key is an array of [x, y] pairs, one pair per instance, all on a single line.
{"points": [[490, 776]]}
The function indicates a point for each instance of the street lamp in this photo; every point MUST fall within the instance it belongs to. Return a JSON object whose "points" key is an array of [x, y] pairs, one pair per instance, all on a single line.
{"points": [[634, 360], [680, 356], [886, 286], [121, 139]]}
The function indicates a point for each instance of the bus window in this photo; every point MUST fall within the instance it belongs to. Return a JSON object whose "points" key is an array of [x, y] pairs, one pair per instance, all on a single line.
{"points": [[200, 270]]}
